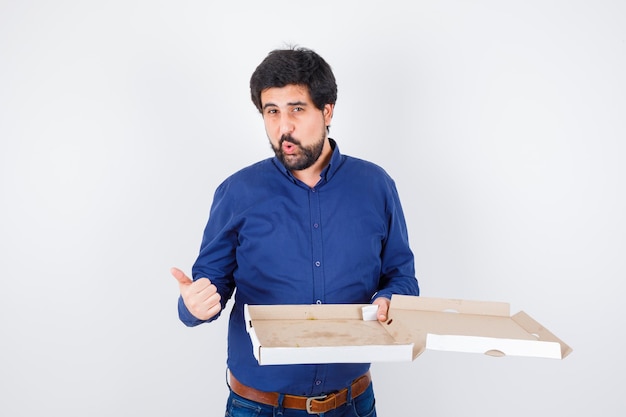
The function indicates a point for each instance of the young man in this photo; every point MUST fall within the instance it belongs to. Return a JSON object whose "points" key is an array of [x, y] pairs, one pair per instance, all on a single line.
{"points": [[309, 225]]}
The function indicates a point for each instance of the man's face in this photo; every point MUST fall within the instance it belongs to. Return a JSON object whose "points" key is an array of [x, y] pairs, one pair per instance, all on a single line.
{"points": [[295, 127]]}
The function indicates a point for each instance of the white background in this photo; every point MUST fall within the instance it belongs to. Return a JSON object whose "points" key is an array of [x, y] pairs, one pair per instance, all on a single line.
{"points": [[503, 123]]}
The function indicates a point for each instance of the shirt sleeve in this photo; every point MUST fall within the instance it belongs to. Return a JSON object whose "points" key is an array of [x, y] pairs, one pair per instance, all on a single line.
{"points": [[398, 265], [216, 259]]}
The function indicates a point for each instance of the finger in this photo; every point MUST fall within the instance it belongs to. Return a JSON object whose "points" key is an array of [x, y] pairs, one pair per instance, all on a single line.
{"points": [[214, 310], [208, 312], [204, 308], [203, 289], [382, 313], [383, 308], [180, 276], [212, 301], [202, 286]]}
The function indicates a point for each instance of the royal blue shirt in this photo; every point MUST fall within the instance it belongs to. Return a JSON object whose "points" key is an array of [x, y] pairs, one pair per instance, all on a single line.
{"points": [[278, 241]]}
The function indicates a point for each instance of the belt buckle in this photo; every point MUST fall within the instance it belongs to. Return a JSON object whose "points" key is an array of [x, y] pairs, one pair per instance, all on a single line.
{"points": [[310, 399]]}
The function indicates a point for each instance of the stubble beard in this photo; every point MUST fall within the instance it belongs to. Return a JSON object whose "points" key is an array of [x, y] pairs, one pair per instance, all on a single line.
{"points": [[304, 158]]}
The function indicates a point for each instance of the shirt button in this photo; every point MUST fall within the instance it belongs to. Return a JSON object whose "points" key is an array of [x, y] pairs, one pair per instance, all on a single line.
{"points": [[318, 382], [317, 263], [315, 225], [318, 302]]}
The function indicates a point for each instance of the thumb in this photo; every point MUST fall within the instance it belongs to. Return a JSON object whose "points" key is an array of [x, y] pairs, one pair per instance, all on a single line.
{"points": [[383, 308], [180, 276]]}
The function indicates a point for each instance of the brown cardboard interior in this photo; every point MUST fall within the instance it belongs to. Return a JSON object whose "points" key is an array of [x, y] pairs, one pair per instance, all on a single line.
{"points": [[316, 325], [417, 319]]}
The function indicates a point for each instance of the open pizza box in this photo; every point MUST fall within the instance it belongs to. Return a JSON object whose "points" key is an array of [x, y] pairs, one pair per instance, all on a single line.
{"points": [[350, 333]]}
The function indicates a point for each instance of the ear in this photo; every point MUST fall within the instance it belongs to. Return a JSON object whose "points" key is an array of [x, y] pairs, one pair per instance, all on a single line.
{"points": [[328, 113]]}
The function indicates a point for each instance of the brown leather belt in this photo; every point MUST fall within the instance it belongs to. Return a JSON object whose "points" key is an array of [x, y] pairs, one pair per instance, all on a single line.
{"points": [[313, 405]]}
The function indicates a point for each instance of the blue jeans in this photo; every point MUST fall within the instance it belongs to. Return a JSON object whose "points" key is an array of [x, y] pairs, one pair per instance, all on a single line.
{"points": [[361, 406]]}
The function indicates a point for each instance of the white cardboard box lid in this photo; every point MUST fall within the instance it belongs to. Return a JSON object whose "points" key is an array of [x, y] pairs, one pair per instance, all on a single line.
{"points": [[337, 333]]}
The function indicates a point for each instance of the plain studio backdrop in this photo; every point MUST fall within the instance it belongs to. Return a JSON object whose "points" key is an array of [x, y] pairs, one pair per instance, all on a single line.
{"points": [[502, 122]]}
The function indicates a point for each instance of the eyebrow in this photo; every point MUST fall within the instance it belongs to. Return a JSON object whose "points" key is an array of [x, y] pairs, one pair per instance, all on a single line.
{"points": [[290, 104]]}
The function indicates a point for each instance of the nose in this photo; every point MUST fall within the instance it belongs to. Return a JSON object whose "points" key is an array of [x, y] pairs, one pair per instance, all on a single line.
{"points": [[286, 124]]}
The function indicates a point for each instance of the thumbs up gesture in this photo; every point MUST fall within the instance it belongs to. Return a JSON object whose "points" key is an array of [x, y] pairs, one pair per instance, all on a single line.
{"points": [[200, 297]]}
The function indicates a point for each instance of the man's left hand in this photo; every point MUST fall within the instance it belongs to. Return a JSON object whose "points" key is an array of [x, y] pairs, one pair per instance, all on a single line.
{"points": [[383, 308]]}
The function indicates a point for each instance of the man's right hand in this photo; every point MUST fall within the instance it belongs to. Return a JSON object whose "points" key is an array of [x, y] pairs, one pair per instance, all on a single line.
{"points": [[200, 297]]}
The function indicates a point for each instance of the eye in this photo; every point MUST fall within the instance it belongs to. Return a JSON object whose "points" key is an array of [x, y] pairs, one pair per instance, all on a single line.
{"points": [[297, 109]]}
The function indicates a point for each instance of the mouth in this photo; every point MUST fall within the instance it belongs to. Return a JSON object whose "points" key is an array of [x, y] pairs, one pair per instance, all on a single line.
{"points": [[289, 148], [289, 145]]}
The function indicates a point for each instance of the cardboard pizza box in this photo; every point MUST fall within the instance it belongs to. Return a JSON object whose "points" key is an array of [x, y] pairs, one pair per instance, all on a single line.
{"points": [[350, 333]]}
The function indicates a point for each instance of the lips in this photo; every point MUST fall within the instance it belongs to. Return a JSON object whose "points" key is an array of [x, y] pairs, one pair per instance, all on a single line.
{"points": [[289, 148]]}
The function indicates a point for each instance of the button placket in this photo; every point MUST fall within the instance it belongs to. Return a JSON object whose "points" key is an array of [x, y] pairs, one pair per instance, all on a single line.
{"points": [[316, 244]]}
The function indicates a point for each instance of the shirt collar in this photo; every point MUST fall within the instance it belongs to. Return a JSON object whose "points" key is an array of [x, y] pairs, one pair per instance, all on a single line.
{"points": [[329, 171]]}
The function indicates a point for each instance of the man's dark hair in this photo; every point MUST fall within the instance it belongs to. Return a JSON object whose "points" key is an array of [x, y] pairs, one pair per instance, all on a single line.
{"points": [[299, 66]]}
